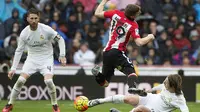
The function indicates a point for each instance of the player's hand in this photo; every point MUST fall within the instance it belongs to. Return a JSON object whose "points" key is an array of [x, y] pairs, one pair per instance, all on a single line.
{"points": [[62, 60], [152, 36], [11, 74]]}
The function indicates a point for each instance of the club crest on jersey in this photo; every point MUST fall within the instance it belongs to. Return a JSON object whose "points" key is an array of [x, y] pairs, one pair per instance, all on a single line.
{"points": [[41, 37], [136, 32]]}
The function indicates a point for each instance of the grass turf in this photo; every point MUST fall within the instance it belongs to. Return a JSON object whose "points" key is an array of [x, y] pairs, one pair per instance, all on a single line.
{"points": [[67, 106]]}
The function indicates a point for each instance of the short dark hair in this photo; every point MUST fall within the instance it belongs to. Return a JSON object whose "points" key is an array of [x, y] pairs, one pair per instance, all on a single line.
{"points": [[33, 11], [175, 81], [131, 10]]}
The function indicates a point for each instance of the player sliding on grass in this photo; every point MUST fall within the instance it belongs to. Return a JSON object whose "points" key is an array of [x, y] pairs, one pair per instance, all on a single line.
{"points": [[123, 27], [170, 98], [37, 37]]}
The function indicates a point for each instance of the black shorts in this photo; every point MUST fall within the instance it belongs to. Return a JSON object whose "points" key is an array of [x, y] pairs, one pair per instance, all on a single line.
{"points": [[115, 58]]}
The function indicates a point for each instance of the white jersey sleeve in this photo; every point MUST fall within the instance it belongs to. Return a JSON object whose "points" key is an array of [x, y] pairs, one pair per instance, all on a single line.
{"points": [[52, 33], [55, 36], [61, 44], [158, 88], [181, 104], [19, 51]]}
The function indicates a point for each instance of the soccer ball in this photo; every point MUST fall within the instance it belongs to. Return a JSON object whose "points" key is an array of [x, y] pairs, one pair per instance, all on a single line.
{"points": [[81, 103]]}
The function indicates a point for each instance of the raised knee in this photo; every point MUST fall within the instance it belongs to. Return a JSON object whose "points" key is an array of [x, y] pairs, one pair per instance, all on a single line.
{"points": [[132, 100], [126, 99]]}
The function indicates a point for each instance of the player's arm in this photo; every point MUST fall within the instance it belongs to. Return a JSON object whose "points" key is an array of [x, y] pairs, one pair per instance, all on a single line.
{"points": [[18, 53], [145, 40], [99, 11], [182, 104], [184, 108], [156, 88], [61, 44]]}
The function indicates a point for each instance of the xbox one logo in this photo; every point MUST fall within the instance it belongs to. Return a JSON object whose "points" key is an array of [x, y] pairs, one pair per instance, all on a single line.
{"points": [[1, 92]]}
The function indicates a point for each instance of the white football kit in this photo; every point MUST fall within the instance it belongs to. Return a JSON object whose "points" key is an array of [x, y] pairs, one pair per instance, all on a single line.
{"points": [[40, 49], [164, 101]]}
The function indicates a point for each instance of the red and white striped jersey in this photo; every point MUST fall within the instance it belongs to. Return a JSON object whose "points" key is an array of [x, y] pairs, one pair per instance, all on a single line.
{"points": [[121, 30]]}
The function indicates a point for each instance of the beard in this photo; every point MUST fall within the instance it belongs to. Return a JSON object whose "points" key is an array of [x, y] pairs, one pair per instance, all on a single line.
{"points": [[34, 26]]}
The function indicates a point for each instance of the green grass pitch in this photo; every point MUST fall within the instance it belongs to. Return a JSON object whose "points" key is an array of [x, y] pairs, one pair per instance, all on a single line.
{"points": [[67, 106]]}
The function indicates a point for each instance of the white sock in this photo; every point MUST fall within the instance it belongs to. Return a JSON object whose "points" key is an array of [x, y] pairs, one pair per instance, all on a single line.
{"points": [[16, 89], [52, 91], [113, 99]]}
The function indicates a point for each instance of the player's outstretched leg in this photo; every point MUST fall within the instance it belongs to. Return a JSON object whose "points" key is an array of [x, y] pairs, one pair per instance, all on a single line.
{"points": [[52, 93], [112, 99], [99, 77], [14, 93], [94, 102]]}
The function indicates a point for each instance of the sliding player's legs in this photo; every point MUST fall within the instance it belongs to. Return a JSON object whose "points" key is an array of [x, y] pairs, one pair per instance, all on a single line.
{"points": [[129, 99], [140, 102], [149, 103], [134, 101]]}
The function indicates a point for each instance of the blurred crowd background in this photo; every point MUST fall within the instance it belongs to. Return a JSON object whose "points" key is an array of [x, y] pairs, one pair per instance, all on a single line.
{"points": [[176, 24]]}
